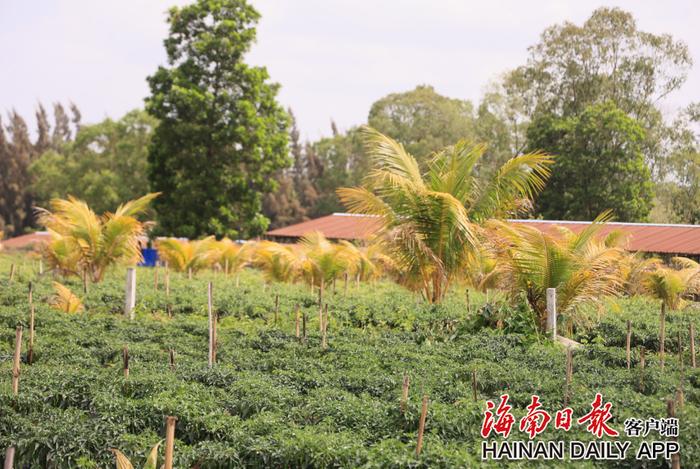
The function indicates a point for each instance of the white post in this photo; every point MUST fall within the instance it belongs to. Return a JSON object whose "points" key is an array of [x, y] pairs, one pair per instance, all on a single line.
{"points": [[130, 293], [41, 267], [212, 338], [552, 312]]}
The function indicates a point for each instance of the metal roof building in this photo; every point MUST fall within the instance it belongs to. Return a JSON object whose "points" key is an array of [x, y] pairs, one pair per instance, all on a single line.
{"points": [[645, 237]]}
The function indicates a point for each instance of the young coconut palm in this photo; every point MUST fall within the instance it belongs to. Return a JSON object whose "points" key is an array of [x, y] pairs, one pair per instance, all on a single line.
{"points": [[86, 244], [186, 256], [232, 257], [322, 261], [582, 267], [124, 463], [65, 300], [279, 263], [429, 219], [367, 262], [671, 284]]}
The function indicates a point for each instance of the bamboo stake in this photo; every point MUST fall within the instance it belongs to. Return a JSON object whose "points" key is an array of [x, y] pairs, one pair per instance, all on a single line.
{"points": [[226, 267], [662, 334], [169, 309], [277, 306], [345, 286], [641, 368], [125, 359], [169, 441], [671, 412], [569, 374], [334, 285], [189, 273], [30, 348], [692, 345], [320, 307], [324, 329], [167, 282], [303, 326], [85, 282], [155, 279], [404, 392], [171, 358], [212, 326], [469, 303], [296, 320], [474, 384], [12, 272], [421, 425], [628, 343], [41, 266], [16, 361]]}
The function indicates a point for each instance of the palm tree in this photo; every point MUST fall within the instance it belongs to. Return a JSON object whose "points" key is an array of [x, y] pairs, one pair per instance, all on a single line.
{"points": [[65, 300], [83, 243], [429, 219], [670, 285], [124, 463], [322, 261], [279, 263], [583, 267], [232, 257], [187, 256]]}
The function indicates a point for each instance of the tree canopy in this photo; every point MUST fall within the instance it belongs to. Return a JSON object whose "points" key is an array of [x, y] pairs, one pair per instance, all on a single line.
{"points": [[222, 134]]}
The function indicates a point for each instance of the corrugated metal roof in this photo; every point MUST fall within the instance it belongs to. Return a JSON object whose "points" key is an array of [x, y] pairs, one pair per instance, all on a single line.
{"points": [[336, 226], [647, 237], [26, 241]]}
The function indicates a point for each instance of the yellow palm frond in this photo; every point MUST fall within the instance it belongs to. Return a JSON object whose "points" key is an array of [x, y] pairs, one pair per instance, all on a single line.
{"points": [[65, 300]]}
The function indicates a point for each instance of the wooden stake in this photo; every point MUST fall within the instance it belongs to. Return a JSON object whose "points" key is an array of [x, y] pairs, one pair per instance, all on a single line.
{"points": [[189, 273], [345, 286], [171, 358], [469, 303], [85, 282], [629, 342], [30, 348], [671, 413], [277, 306], [167, 282], [155, 279], [569, 374], [12, 272], [125, 359], [212, 326], [226, 267], [421, 425], [662, 334], [16, 361], [320, 307], [404, 393], [303, 326], [551, 311], [169, 441], [41, 267], [474, 384], [169, 309], [296, 320], [238, 280], [641, 369], [692, 345], [324, 329]]}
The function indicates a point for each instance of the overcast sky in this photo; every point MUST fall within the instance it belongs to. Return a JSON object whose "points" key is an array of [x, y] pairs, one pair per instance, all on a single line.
{"points": [[333, 58]]}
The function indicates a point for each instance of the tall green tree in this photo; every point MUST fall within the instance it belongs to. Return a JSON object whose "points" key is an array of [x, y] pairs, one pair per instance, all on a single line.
{"points": [[607, 58], [16, 152], [105, 165], [222, 134], [423, 120], [599, 165]]}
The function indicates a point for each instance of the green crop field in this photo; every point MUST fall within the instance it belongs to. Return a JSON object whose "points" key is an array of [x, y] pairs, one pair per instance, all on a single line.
{"points": [[272, 400]]}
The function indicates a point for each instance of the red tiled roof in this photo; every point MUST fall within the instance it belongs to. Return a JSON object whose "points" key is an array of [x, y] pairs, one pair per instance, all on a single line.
{"points": [[646, 237], [26, 241]]}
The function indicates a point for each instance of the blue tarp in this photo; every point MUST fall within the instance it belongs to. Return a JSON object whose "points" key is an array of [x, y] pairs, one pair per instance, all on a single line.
{"points": [[150, 257]]}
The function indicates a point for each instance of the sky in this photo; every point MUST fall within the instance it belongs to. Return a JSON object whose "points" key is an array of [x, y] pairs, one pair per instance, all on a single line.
{"points": [[333, 58]]}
